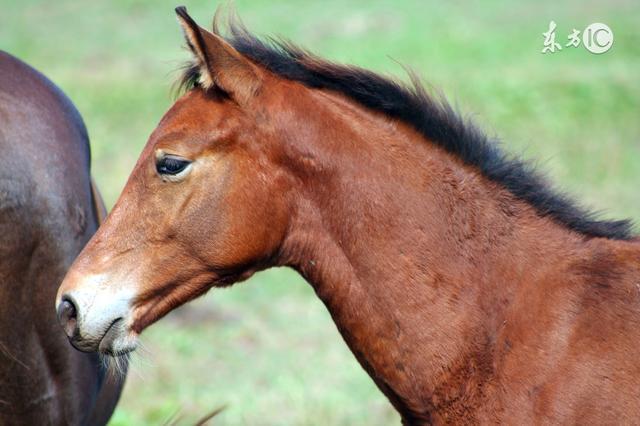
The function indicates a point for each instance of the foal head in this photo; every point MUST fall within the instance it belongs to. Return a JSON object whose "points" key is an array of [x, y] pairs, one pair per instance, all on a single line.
{"points": [[205, 205]]}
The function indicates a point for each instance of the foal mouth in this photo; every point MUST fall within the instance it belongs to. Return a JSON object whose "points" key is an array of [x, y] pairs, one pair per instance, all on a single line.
{"points": [[109, 337]]}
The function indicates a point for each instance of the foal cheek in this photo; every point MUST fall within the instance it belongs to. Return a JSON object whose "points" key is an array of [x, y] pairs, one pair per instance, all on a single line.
{"points": [[255, 222]]}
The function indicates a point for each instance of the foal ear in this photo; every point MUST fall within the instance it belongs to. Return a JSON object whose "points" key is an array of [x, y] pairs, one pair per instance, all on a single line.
{"points": [[221, 65]]}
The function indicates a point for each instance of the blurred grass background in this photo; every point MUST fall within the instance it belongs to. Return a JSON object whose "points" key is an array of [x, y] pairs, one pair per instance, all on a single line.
{"points": [[267, 348]]}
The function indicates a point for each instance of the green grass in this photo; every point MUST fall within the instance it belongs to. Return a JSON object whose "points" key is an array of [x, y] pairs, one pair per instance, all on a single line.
{"points": [[267, 348]]}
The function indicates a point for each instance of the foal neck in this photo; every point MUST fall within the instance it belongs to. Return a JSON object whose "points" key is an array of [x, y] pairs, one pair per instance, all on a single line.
{"points": [[415, 255]]}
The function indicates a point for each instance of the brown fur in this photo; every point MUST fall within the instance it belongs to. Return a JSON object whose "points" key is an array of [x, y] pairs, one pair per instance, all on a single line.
{"points": [[462, 301]]}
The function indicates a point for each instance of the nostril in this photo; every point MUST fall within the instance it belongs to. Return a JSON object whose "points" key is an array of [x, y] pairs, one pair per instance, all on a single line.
{"points": [[68, 315], [67, 308]]}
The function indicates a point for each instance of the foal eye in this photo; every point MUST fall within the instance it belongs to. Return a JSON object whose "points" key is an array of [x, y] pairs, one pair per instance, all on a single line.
{"points": [[170, 165]]}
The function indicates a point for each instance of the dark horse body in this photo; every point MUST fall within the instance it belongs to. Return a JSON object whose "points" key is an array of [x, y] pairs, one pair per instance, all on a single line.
{"points": [[48, 211], [468, 289]]}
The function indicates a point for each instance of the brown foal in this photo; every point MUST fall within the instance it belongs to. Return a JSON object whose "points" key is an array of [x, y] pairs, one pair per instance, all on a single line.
{"points": [[466, 288]]}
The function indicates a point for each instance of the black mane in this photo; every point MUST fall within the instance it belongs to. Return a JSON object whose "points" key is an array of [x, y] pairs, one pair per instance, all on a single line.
{"points": [[433, 117]]}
